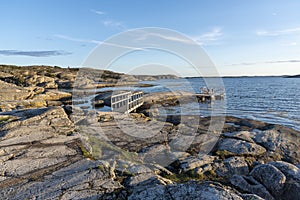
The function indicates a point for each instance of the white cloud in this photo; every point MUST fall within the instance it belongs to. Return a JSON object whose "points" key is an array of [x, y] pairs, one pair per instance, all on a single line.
{"points": [[278, 32], [114, 24], [34, 53], [266, 62], [146, 36], [123, 46], [65, 37], [291, 44], [98, 12], [209, 38], [98, 42]]}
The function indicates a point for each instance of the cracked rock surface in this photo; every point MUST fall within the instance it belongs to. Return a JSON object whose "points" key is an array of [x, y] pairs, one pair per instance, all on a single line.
{"points": [[51, 150]]}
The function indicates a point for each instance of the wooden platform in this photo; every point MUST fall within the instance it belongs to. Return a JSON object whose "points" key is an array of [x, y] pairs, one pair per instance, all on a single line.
{"points": [[209, 97]]}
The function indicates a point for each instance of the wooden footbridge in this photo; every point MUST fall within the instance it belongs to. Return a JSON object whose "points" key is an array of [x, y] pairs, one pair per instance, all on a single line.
{"points": [[126, 102]]}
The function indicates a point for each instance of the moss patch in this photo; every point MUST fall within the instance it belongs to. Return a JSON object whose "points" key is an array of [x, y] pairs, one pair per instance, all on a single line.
{"points": [[181, 178], [224, 153], [86, 153], [210, 175], [101, 146], [4, 119]]}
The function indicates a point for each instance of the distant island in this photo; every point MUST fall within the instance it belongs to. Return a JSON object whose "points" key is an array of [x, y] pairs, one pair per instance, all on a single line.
{"points": [[293, 76]]}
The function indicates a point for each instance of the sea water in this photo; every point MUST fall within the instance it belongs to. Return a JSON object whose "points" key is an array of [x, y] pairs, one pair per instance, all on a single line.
{"points": [[270, 99]]}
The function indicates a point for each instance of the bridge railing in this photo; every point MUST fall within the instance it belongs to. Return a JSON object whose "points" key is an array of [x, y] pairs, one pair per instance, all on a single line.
{"points": [[126, 102]]}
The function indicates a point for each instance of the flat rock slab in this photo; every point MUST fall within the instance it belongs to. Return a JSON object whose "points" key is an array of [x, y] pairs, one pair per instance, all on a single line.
{"points": [[35, 143], [84, 179], [189, 190], [19, 167], [53, 119], [10, 92], [53, 95]]}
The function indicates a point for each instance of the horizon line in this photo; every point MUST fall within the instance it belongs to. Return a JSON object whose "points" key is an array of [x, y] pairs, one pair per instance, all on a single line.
{"points": [[221, 76]]}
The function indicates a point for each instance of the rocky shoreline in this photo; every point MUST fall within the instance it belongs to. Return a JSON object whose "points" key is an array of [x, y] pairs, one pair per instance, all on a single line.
{"points": [[50, 149]]}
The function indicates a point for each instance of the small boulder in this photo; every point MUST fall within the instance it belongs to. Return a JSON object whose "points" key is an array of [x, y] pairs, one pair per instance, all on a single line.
{"points": [[291, 171], [236, 165], [242, 135], [271, 177], [194, 162], [249, 184], [270, 139], [282, 140], [292, 184], [230, 146]]}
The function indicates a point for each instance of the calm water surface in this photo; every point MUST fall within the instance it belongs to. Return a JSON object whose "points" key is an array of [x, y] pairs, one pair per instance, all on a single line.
{"points": [[269, 99]]}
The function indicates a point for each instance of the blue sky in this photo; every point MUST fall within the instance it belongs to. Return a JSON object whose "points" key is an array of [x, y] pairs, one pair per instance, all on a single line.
{"points": [[258, 37]]}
